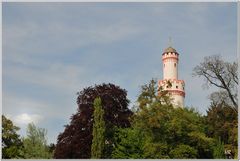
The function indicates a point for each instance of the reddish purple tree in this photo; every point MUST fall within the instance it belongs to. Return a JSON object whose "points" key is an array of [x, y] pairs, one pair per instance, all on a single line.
{"points": [[76, 140]]}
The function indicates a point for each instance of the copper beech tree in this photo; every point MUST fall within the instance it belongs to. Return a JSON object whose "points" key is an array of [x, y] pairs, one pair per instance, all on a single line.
{"points": [[76, 140]]}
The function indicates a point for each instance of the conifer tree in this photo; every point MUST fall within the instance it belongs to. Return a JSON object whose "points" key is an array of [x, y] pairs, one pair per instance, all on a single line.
{"points": [[98, 130]]}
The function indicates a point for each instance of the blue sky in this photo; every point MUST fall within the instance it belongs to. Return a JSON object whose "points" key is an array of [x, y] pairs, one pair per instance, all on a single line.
{"points": [[53, 50]]}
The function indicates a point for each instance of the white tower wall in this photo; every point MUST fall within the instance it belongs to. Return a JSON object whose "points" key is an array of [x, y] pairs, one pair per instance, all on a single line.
{"points": [[178, 100], [170, 69]]}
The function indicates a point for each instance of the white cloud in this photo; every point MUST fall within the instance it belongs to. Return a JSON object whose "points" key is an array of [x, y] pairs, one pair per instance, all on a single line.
{"points": [[25, 118], [23, 109]]}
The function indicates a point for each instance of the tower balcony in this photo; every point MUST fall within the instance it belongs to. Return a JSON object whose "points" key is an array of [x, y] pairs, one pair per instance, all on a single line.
{"points": [[174, 86]]}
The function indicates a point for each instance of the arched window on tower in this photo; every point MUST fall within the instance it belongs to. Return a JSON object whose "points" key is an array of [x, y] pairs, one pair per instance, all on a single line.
{"points": [[175, 64]]}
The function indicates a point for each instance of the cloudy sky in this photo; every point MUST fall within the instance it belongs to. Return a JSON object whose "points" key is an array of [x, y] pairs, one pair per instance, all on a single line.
{"points": [[53, 50]]}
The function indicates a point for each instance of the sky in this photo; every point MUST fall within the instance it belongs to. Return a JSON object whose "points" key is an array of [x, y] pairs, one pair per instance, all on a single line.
{"points": [[51, 51]]}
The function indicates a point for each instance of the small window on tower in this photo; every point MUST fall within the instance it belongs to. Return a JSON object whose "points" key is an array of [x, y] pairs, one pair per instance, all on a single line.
{"points": [[174, 64], [176, 86]]}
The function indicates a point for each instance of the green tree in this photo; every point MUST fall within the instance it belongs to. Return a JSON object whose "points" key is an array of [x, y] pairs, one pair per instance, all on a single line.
{"points": [[221, 119], [166, 128], [11, 142], [155, 150], [35, 144], [183, 152], [128, 144], [202, 143], [222, 122], [218, 151], [150, 93], [98, 130]]}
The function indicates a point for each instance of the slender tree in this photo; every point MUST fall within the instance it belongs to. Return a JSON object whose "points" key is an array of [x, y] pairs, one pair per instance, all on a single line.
{"points": [[98, 130]]}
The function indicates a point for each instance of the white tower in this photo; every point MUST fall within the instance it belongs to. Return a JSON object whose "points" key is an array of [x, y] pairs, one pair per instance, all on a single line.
{"points": [[170, 80]]}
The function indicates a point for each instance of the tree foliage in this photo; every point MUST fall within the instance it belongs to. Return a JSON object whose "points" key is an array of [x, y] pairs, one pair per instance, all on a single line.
{"points": [[183, 151], [76, 140], [128, 144], [11, 142], [35, 144], [222, 123], [151, 93], [221, 119], [168, 132], [98, 130], [104, 127], [218, 151]]}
